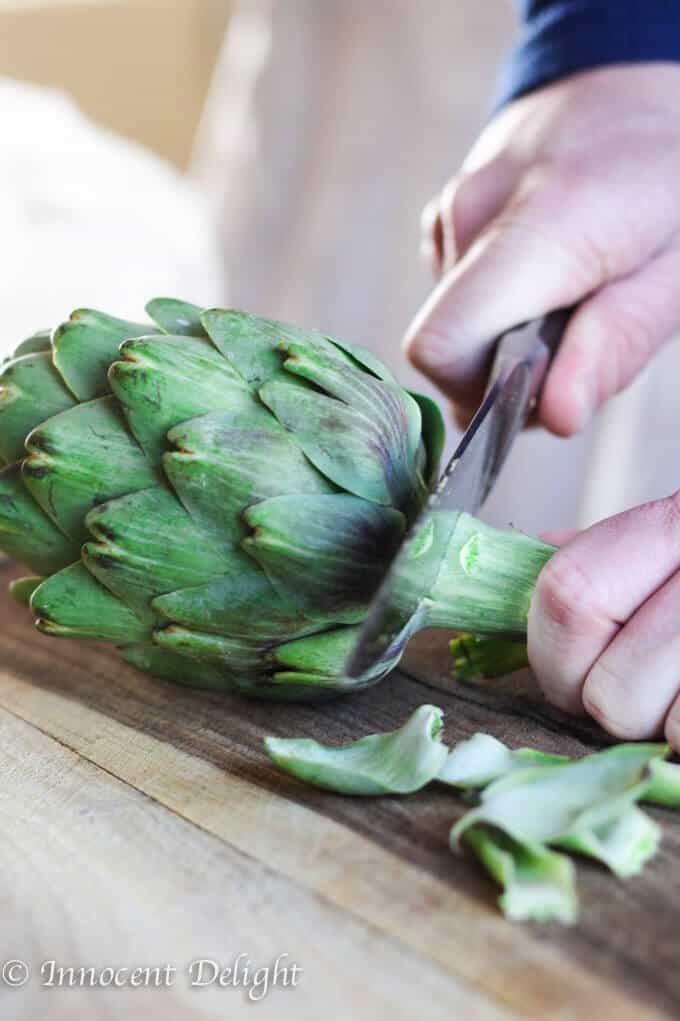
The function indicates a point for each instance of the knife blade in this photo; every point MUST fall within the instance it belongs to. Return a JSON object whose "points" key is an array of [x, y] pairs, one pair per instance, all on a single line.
{"points": [[522, 357]]}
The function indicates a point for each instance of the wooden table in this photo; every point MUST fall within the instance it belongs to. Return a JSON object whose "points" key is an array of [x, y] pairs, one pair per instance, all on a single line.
{"points": [[143, 825]]}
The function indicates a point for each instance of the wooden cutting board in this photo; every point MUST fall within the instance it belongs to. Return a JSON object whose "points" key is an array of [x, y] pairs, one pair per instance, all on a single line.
{"points": [[143, 825]]}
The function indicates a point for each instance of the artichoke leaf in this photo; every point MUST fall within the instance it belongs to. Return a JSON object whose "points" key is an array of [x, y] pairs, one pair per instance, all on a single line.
{"points": [[162, 382], [434, 436], [173, 666], [538, 884], [241, 603], [229, 460], [482, 759], [350, 448], [326, 554], [31, 390], [621, 837], [39, 341], [84, 347], [81, 458], [73, 604], [543, 804], [26, 533], [147, 544], [172, 315], [399, 762], [663, 787]]}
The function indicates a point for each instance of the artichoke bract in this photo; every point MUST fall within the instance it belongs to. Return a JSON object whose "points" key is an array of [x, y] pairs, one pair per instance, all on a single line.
{"points": [[218, 495]]}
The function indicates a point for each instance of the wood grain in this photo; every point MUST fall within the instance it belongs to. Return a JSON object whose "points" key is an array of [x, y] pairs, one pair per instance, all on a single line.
{"points": [[380, 866], [95, 873]]}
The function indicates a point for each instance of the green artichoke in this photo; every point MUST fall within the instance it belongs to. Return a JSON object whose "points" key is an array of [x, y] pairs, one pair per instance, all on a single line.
{"points": [[218, 495]]}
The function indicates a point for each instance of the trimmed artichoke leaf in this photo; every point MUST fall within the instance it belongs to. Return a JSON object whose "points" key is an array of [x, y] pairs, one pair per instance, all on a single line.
{"points": [[663, 787], [31, 390], [242, 603], [163, 382], [73, 604], [399, 762], [482, 758], [538, 884], [174, 316], [327, 554], [40, 341], [623, 840], [27, 534], [229, 460], [544, 804], [147, 545], [84, 347], [81, 458]]}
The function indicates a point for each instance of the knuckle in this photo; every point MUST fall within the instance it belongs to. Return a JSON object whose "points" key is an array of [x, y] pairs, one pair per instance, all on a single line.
{"points": [[630, 339], [563, 694], [436, 346], [603, 700], [563, 593], [662, 516], [549, 209]]}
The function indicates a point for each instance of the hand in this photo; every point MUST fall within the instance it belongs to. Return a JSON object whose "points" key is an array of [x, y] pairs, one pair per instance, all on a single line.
{"points": [[604, 623], [570, 194]]}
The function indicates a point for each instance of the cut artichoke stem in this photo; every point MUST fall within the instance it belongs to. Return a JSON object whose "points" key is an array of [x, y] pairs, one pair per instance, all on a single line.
{"points": [[475, 577]]}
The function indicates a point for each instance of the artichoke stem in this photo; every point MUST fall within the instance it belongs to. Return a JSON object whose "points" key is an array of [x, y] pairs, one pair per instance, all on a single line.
{"points": [[487, 579], [486, 656], [468, 576]]}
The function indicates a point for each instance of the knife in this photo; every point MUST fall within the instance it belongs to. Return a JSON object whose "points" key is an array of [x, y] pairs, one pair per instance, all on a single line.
{"points": [[521, 361]]}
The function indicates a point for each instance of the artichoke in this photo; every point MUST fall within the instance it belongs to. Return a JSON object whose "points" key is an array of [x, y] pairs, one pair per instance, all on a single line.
{"points": [[218, 495]]}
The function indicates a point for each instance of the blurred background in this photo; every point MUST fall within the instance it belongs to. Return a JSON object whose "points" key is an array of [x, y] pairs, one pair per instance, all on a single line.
{"points": [[272, 154]]}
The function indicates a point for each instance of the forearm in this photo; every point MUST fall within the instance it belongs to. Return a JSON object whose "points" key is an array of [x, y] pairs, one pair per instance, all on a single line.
{"points": [[561, 37]]}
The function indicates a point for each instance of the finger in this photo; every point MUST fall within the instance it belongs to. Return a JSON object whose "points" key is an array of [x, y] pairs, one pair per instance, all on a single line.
{"points": [[591, 587], [609, 339], [631, 687], [546, 249], [432, 238], [470, 201], [521, 266]]}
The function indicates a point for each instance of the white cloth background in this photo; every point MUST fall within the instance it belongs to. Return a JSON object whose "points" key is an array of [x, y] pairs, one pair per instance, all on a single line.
{"points": [[328, 126], [90, 219]]}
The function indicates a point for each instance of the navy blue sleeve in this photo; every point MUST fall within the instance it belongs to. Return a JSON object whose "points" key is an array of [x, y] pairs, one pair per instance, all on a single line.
{"points": [[560, 37]]}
